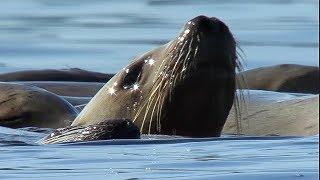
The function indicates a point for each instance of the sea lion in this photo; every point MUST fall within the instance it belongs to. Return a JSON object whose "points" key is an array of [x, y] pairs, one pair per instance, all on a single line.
{"points": [[78, 89], [77, 101], [73, 74], [282, 78], [297, 116], [185, 87], [25, 106]]}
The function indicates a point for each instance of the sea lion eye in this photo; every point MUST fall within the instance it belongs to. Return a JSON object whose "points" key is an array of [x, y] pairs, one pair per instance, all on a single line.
{"points": [[132, 76]]}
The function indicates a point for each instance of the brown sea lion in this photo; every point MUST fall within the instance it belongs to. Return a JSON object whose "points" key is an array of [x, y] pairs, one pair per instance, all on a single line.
{"points": [[78, 89], [25, 106], [77, 101], [73, 74], [185, 87], [282, 78], [293, 117]]}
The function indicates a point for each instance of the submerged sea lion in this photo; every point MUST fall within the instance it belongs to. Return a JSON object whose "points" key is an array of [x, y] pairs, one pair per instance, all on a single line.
{"points": [[79, 89], [73, 74], [294, 117], [24, 106], [185, 87], [282, 78]]}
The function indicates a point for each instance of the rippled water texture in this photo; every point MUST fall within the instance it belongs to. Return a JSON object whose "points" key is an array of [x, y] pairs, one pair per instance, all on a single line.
{"points": [[161, 157], [104, 35], [68, 33]]}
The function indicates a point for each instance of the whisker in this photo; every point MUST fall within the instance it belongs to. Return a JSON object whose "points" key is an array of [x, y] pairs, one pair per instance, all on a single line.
{"points": [[154, 107]]}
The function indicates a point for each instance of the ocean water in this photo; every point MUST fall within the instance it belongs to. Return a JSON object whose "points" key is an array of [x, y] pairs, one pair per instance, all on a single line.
{"points": [[108, 34], [104, 36], [163, 158]]}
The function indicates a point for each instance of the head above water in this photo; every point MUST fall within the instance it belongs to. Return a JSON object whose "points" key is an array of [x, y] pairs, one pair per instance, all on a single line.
{"points": [[185, 87]]}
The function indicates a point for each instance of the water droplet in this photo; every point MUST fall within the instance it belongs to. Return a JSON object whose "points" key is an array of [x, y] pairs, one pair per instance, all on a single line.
{"points": [[299, 175], [112, 91], [135, 104], [151, 62], [85, 132], [135, 87], [190, 22]]}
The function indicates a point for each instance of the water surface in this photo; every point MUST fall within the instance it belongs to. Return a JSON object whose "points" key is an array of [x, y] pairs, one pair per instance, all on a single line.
{"points": [[105, 35], [108, 34], [162, 157]]}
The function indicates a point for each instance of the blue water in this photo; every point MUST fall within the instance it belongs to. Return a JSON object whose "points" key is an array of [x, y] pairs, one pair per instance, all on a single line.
{"points": [[104, 35], [162, 157], [70, 33]]}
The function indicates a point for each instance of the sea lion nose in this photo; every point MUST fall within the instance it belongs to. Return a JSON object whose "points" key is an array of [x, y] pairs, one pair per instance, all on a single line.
{"points": [[206, 24]]}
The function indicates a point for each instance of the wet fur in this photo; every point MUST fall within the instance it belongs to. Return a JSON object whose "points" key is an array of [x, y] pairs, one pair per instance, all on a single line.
{"points": [[176, 67]]}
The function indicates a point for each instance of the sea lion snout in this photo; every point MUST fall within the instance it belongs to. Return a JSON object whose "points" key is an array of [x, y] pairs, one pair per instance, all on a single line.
{"points": [[208, 25], [211, 42]]}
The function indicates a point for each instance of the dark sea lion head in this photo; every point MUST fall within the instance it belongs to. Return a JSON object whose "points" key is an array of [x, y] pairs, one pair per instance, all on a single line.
{"points": [[185, 87]]}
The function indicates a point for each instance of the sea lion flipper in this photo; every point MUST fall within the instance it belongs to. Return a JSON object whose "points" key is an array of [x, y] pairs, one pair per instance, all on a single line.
{"points": [[109, 129]]}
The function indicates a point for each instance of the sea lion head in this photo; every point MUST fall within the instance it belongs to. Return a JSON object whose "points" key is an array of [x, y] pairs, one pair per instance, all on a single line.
{"points": [[185, 87]]}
